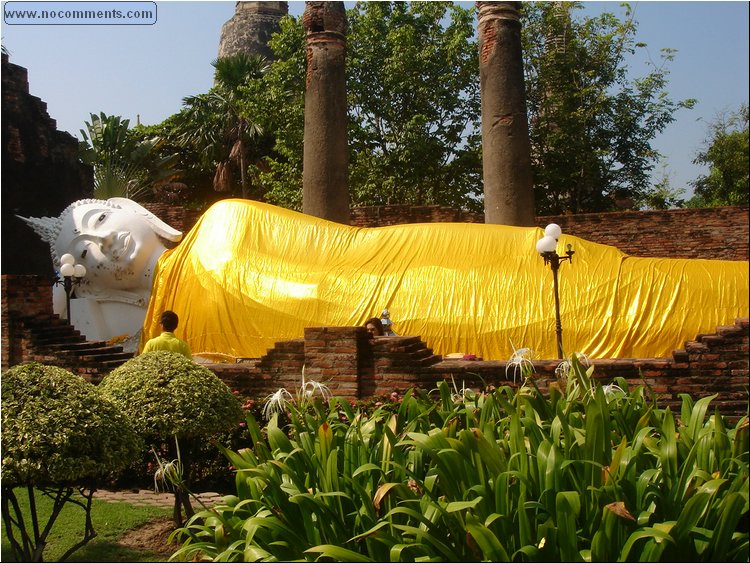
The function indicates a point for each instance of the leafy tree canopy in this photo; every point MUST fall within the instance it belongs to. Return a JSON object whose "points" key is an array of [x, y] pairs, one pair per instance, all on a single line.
{"points": [[126, 163], [278, 103], [172, 399], [591, 125], [217, 126], [414, 104], [414, 109], [59, 434], [726, 154]]}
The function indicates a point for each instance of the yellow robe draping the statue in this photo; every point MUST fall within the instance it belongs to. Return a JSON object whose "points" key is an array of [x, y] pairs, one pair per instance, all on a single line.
{"points": [[250, 274]]}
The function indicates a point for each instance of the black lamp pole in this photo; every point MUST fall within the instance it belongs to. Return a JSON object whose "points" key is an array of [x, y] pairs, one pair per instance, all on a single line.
{"points": [[68, 286], [72, 274], [554, 260], [68, 282]]}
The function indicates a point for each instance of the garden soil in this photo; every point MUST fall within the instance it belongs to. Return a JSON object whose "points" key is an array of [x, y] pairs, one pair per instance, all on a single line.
{"points": [[152, 536]]}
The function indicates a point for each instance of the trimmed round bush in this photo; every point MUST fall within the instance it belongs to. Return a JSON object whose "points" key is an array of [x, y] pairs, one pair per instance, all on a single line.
{"points": [[58, 429], [166, 394]]}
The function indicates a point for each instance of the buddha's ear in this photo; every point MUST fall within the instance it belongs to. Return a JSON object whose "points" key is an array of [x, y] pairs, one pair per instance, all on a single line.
{"points": [[159, 226]]}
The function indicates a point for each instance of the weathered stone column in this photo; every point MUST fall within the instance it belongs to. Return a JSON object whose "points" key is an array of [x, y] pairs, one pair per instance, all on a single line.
{"points": [[508, 182], [325, 186]]}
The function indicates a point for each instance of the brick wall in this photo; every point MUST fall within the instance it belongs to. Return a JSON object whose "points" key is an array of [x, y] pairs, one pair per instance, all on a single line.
{"points": [[175, 216], [720, 233], [21, 296], [355, 366]]}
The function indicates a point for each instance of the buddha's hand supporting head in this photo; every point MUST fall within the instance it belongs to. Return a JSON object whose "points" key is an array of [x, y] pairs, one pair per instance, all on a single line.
{"points": [[117, 240]]}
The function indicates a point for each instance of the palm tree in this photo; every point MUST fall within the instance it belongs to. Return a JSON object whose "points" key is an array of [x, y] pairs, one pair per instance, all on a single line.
{"points": [[215, 125], [124, 165]]}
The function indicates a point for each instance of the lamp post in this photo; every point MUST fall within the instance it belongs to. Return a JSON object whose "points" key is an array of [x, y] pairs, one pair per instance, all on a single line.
{"points": [[547, 247], [72, 274]]}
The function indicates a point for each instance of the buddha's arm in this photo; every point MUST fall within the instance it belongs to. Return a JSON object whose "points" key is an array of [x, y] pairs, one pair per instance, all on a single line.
{"points": [[139, 298]]}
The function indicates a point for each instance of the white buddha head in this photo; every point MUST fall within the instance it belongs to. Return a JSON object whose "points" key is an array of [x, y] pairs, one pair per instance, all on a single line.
{"points": [[117, 240]]}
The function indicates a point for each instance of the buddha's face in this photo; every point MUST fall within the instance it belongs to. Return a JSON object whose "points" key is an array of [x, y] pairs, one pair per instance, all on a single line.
{"points": [[118, 247]]}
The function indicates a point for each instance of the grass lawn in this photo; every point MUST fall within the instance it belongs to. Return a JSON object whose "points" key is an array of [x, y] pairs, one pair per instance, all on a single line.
{"points": [[111, 520]]}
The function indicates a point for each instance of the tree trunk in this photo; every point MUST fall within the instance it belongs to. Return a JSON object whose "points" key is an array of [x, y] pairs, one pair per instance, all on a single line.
{"points": [[243, 165]]}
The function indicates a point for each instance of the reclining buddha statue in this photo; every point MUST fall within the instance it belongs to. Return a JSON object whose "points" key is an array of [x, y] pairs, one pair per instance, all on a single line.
{"points": [[249, 274]]}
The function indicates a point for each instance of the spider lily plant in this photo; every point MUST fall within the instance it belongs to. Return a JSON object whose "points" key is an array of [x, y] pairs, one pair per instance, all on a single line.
{"points": [[504, 476]]}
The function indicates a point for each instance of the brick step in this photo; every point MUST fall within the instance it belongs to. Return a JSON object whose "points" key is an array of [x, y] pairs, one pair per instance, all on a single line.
{"points": [[733, 330], [411, 361], [99, 350], [104, 356], [109, 365], [405, 341], [710, 339], [422, 353], [429, 360], [695, 346], [44, 321], [417, 353], [681, 356], [62, 331], [414, 346], [59, 339], [51, 324], [288, 345], [89, 356], [81, 346], [410, 350]]}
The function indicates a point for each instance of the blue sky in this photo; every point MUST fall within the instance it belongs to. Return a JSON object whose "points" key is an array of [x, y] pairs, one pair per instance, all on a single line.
{"points": [[145, 71]]}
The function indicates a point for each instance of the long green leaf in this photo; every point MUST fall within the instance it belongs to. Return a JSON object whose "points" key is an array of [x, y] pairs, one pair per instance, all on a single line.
{"points": [[338, 553], [649, 533], [567, 509], [733, 507], [492, 549]]}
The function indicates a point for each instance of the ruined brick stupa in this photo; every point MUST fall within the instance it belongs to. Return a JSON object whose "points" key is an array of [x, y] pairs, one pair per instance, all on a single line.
{"points": [[251, 27]]}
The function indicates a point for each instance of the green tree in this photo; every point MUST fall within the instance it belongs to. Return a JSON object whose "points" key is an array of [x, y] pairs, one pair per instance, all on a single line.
{"points": [[414, 109], [662, 195], [216, 126], [413, 92], [59, 435], [726, 154], [277, 101], [591, 125], [125, 164], [172, 400], [414, 104]]}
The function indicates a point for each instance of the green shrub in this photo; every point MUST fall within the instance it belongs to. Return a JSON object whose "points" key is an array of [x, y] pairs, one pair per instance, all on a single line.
{"points": [[167, 395], [58, 434], [587, 473], [57, 428], [174, 401]]}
